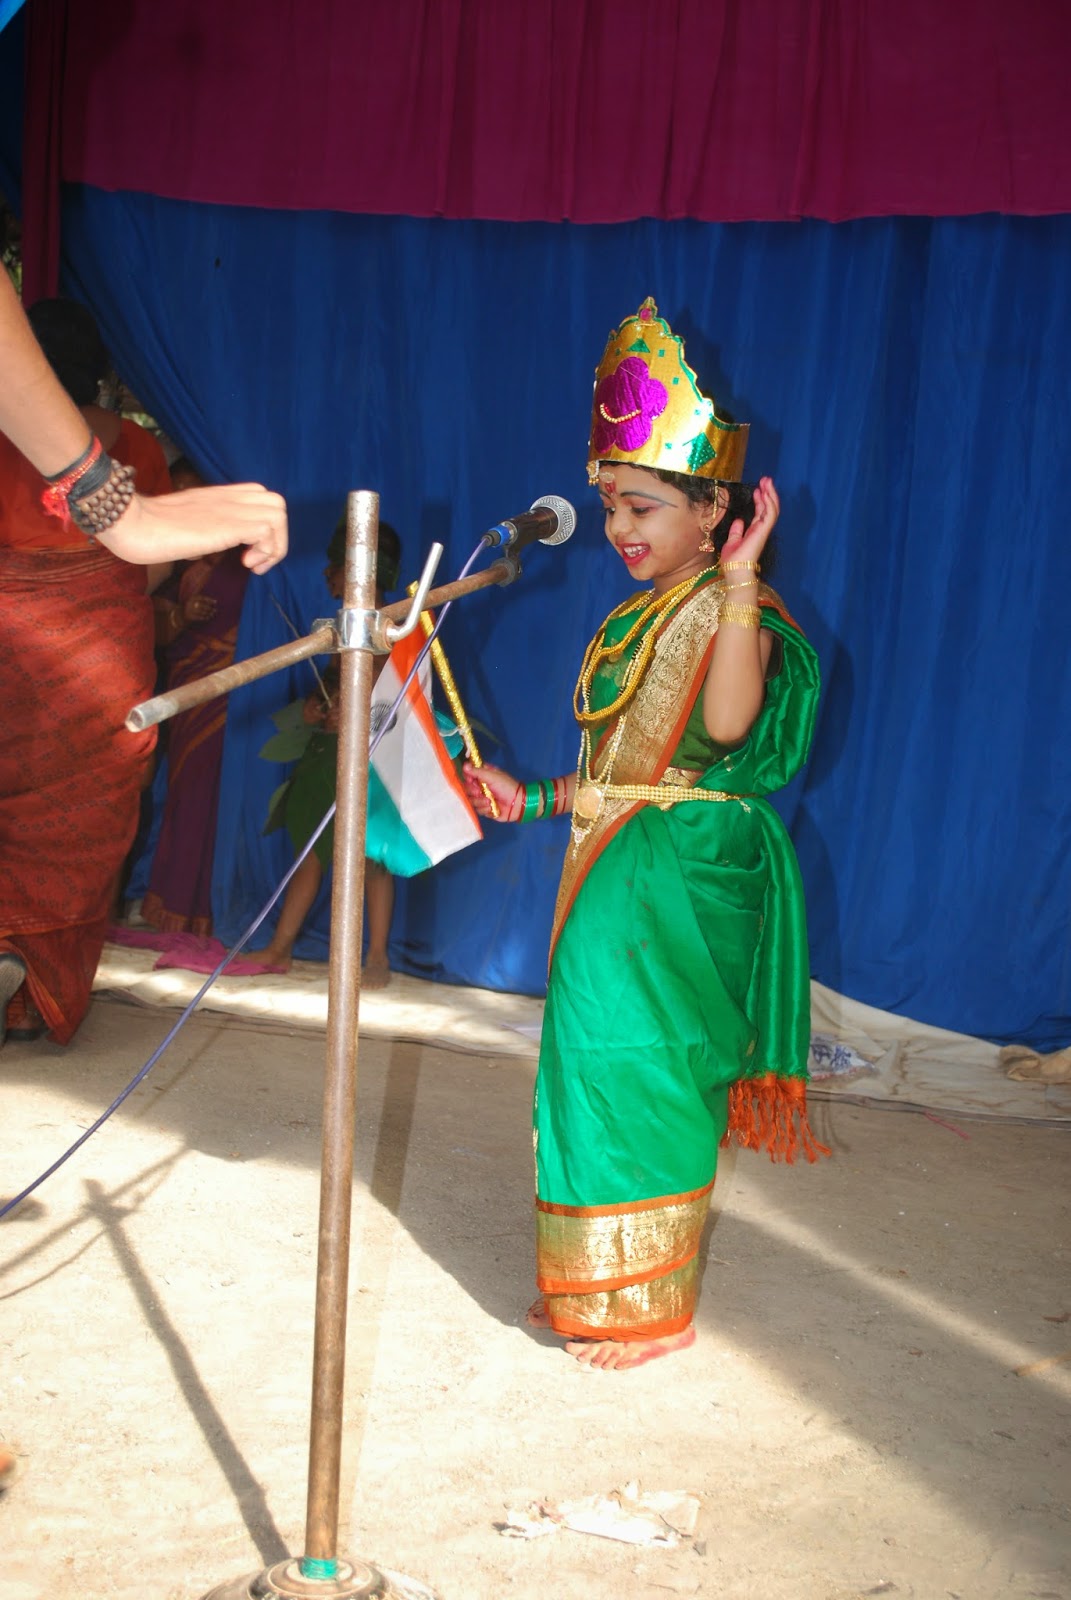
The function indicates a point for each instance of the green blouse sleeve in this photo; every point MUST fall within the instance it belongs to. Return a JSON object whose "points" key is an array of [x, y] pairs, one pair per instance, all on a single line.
{"points": [[778, 744]]}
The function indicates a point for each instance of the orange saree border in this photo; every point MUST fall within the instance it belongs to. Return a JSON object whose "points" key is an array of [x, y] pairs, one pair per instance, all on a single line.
{"points": [[625, 1206], [647, 1310], [599, 1249], [624, 1280], [562, 1322]]}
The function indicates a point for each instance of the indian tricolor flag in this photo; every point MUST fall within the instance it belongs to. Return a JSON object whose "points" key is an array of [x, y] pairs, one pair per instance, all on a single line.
{"points": [[417, 808]]}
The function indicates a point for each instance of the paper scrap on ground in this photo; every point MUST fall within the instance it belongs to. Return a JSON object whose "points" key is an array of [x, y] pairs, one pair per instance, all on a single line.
{"points": [[661, 1518], [407, 1588], [831, 1058]]}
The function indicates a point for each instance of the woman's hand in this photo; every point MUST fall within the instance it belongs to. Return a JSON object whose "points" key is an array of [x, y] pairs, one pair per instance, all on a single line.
{"points": [[748, 544], [508, 793], [199, 522]]}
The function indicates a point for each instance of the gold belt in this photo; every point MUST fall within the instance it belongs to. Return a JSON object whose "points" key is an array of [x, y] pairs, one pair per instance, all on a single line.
{"points": [[678, 783]]}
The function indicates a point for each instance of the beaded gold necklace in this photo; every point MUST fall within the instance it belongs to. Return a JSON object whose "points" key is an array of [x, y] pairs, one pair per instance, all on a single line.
{"points": [[597, 654]]}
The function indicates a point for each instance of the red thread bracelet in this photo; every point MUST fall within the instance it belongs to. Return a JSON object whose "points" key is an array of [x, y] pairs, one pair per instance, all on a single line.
{"points": [[55, 497]]}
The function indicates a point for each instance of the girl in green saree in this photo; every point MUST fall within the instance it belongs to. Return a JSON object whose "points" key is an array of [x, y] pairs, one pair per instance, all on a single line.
{"points": [[677, 1007]]}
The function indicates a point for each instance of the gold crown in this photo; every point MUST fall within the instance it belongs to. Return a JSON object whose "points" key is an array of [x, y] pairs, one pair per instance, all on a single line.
{"points": [[649, 411]]}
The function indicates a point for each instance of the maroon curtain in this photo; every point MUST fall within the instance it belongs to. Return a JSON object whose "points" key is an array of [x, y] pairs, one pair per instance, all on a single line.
{"points": [[46, 50], [591, 110]]}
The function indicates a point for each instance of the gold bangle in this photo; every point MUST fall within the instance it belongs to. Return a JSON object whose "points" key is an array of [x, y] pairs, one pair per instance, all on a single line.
{"points": [[742, 616], [740, 566]]}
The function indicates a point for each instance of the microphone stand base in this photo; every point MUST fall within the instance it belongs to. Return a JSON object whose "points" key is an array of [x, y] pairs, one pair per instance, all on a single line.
{"points": [[355, 1580]]}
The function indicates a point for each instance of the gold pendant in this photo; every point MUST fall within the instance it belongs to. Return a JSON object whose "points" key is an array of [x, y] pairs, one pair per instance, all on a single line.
{"points": [[587, 802]]}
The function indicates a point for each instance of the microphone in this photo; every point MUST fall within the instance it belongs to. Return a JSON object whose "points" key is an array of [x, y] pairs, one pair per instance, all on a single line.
{"points": [[551, 520]]}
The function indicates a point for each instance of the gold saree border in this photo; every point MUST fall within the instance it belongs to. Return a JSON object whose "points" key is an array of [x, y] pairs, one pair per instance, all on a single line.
{"points": [[603, 1248], [640, 1311], [654, 724]]}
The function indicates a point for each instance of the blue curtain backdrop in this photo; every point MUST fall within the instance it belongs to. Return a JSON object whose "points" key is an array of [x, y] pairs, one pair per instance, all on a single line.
{"points": [[906, 382], [907, 385]]}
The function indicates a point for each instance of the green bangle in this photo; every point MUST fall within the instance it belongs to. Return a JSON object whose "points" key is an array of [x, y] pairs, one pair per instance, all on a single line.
{"points": [[532, 803], [546, 803]]}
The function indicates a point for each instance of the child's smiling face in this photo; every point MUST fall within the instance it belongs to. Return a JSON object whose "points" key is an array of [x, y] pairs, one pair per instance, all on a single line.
{"points": [[655, 529]]}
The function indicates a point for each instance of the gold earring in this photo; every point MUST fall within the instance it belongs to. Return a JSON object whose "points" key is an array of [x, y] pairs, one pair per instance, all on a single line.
{"points": [[706, 543]]}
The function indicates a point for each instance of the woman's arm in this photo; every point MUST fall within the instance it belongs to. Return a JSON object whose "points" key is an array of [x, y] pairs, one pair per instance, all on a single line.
{"points": [[41, 420], [36, 413]]}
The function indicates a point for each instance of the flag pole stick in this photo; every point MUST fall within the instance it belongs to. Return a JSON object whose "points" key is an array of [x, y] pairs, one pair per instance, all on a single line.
{"points": [[453, 697]]}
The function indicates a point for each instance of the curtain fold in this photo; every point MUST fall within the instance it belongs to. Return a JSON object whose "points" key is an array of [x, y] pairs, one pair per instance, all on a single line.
{"points": [[906, 385], [586, 110], [42, 146]]}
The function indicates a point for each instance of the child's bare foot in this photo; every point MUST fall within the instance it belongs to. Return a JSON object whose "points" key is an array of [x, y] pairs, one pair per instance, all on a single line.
{"points": [[537, 1316], [613, 1355], [375, 974], [280, 960]]}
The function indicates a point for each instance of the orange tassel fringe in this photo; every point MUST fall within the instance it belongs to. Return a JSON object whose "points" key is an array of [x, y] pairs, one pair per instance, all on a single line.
{"points": [[770, 1113]]}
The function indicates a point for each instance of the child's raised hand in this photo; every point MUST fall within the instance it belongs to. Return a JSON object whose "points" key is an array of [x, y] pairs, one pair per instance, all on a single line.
{"points": [[480, 782], [747, 544]]}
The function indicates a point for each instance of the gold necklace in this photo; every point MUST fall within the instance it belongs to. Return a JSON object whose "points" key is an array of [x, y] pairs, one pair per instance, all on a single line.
{"points": [[597, 654]]}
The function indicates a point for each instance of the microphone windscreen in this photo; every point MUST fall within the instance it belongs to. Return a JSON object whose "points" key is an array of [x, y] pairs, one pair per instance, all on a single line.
{"points": [[563, 511]]}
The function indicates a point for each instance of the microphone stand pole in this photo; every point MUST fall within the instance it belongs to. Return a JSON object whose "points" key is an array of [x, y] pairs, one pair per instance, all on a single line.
{"points": [[320, 1574]]}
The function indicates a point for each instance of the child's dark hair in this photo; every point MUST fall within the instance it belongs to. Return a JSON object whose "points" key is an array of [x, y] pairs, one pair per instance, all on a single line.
{"points": [[68, 334], [738, 500], [388, 553]]}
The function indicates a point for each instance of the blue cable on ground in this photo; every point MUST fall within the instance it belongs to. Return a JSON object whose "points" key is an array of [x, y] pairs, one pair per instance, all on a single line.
{"points": [[387, 723]]}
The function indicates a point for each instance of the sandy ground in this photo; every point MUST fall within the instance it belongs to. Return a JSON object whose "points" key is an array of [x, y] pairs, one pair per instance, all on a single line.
{"points": [[850, 1417]]}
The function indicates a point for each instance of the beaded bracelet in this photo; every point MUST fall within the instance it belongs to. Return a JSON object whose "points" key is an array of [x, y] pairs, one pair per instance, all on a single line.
{"points": [[96, 509], [93, 492]]}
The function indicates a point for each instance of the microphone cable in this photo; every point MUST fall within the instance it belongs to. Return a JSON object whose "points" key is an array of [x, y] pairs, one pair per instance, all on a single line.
{"points": [[173, 1032]]}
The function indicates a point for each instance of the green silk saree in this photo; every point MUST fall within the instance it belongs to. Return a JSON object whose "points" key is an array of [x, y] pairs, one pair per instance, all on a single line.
{"points": [[678, 998]]}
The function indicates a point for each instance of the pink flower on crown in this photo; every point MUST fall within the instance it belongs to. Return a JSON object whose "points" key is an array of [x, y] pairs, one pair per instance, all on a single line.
{"points": [[627, 401]]}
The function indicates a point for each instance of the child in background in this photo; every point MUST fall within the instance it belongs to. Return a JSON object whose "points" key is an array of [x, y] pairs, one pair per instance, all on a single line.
{"points": [[311, 791], [197, 615]]}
